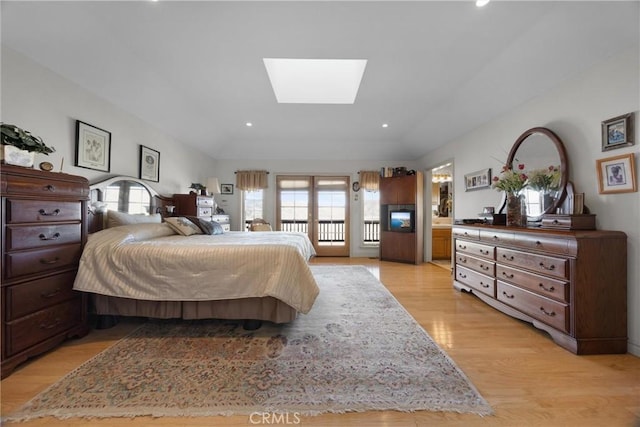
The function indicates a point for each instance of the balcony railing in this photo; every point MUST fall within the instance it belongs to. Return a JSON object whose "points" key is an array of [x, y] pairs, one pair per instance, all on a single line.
{"points": [[332, 231]]}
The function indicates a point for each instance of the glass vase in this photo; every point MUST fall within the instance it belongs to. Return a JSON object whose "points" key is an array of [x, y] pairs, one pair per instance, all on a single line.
{"points": [[515, 216]]}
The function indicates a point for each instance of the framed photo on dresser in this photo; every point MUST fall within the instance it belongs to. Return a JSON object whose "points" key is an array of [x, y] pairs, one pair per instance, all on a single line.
{"points": [[149, 164]]}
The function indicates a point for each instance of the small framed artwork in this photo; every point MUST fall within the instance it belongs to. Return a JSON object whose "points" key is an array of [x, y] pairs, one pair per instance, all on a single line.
{"points": [[477, 180], [617, 132], [226, 188], [616, 174], [93, 147], [149, 164]]}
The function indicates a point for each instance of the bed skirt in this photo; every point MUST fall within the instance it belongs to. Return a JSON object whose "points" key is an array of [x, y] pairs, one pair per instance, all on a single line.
{"points": [[266, 309]]}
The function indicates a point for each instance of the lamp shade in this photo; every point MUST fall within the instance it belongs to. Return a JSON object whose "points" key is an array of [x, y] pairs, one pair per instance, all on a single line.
{"points": [[213, 185]]}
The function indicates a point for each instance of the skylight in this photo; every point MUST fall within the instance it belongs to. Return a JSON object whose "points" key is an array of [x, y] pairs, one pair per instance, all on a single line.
{"points": [[315, 81]]}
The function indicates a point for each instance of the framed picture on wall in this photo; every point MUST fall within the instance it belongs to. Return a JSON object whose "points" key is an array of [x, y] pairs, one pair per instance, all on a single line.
{"points": [[149, 164], [477, 180], [226, 188], [93, 147], [616, 174], [617, 132]]}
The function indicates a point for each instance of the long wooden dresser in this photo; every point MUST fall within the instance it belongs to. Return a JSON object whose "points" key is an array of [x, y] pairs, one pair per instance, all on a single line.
{"points": [[571, 284], [43, 233]]}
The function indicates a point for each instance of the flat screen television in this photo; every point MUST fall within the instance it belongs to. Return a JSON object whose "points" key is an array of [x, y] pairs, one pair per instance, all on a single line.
{"points": [[402, 221]]}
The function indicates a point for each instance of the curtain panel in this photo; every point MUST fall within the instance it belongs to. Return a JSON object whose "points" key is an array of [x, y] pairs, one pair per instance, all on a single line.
{"points": [[252, 180], [370, 180]]}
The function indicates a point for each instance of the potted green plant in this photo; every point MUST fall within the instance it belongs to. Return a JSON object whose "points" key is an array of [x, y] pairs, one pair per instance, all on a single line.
{"points": [[198, 188], [20, 146]]}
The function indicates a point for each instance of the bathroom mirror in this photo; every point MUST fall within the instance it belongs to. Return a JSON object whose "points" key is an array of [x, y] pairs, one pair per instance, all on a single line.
{"points": [[543, 155]]}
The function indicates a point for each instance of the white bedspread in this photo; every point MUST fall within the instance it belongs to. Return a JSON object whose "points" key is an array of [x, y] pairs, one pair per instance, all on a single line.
{"points": [[151, 262]]}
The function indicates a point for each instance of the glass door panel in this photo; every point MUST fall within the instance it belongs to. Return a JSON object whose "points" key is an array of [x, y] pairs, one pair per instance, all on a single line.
{"points": [[317, 206], [331, 214], [293, 207]]}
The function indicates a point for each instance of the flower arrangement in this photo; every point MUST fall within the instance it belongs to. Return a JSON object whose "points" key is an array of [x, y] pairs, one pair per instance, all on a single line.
{"points": [[511, 181], [545, 179]]}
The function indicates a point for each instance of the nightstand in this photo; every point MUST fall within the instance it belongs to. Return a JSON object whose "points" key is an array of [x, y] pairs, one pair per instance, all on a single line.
{"points": [[223, 220]]}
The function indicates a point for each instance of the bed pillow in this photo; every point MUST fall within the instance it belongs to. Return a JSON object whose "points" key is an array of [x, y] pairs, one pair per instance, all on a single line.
{"points": [[115, 218], [182, 225], [207, 227]]}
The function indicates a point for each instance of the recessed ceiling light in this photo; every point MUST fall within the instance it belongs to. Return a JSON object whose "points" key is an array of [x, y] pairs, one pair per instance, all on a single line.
{"points": [[385, 125], [481, 3], [248, 124], [315, 81]]}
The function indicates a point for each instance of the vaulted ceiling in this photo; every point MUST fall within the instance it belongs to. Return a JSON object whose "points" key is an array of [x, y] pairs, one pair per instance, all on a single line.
{"points": [[436, 69]]}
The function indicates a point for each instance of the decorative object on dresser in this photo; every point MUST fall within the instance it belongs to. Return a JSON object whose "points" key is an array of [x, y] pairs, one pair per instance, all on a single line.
{"points": [[19, 146], [571, 284], [93, 147], [43, 234], [193, 205], [149, 164], [617, 174], [617, 132], [401, 206]]}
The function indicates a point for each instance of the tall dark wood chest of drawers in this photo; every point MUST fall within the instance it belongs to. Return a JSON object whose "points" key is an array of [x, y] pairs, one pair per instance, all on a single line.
{"points": [[44, 217], [571, 284]]}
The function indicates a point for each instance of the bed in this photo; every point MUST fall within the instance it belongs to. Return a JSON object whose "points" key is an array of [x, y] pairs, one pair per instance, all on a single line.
{"points": [[152, 270]]}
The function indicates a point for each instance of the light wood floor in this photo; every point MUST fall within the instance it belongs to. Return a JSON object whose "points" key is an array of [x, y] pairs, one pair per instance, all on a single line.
{"points": [[525, 377]]}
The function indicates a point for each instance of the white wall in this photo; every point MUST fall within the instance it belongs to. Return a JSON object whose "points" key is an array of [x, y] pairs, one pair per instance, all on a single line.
{"points": [[44, 103], [574, 111], [231, 204]]}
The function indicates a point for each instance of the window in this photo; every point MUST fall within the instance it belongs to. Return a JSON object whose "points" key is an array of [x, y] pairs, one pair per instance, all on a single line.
{"points": [[253, 206], [371, 218]]}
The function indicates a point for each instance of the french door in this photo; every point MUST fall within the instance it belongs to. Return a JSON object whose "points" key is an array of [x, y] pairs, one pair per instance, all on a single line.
{"points": [[318, 206]]}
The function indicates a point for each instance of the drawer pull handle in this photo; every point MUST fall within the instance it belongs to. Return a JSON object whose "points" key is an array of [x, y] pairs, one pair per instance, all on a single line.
{"points": [[57, 322], [550, 268], [50, 294], [484, 252], [464, 276], [462, 259], [54, 237], [509, 276], [484, 267], [45, 213], [555, 221], [510, 258], [496, 238], [551, 314], [538, 242], [550, 289], [50, 261], [483, 285], [50, 187], [507, 295], [462, 246]]}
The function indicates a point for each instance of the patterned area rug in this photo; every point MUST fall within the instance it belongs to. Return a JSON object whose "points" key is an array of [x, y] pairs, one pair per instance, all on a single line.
{"points": [[357, 350]]}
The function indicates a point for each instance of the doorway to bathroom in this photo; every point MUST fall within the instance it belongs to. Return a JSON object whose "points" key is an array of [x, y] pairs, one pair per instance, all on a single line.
{"points": [[441, 214]]}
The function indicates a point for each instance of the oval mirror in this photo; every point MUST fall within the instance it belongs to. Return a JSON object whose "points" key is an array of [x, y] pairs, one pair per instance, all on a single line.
{"points": [[545, 161]]}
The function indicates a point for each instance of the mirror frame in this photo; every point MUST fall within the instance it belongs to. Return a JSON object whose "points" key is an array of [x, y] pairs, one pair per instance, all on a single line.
{"points": [[564, 166]]}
